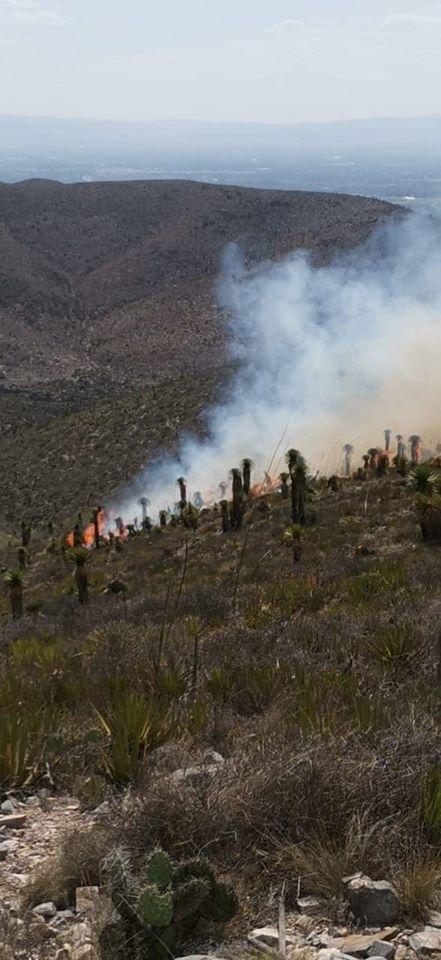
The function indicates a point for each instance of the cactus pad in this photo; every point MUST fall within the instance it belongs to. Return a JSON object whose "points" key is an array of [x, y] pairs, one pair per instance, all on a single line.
{"points": [[155, 908], [159, 870]]}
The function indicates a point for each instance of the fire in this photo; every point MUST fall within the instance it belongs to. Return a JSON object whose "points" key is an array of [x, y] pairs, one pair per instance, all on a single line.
{"points": [[96, 528], [269, 485]]}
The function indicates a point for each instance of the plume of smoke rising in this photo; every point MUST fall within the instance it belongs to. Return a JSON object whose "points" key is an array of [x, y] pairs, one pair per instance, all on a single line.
{"points": [[327, 356]]}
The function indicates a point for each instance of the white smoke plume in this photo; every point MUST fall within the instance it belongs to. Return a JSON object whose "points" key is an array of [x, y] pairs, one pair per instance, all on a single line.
{"points": [[326, 355]]}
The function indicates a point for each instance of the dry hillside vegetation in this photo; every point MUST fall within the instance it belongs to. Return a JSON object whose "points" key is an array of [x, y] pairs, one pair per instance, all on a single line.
{"points": [[110, 340], [267, 698]]}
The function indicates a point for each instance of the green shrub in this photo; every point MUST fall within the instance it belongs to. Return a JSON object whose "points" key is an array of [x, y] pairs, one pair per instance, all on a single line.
{"points": [[393, 646], [431, 803], [134, 727]]}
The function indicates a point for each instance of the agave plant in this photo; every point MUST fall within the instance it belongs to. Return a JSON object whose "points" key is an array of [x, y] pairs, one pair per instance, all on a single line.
{"points": [[134, 727], [14, 580], [394, 646], [422, 479]]}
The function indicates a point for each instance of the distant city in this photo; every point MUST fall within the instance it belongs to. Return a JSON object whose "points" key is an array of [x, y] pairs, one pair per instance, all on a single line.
{"points": [[353, 157]]}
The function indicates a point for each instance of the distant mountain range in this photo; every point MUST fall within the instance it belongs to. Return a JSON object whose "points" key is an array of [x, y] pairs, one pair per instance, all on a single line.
{"points": [[36, 136]]}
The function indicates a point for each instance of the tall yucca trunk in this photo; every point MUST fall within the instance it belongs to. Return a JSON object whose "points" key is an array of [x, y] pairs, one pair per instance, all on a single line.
{"points": [[82, 583], [16, 598]]}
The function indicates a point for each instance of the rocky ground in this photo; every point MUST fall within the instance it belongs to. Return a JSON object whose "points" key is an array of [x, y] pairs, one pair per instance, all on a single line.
{"points": [[30, 830]]}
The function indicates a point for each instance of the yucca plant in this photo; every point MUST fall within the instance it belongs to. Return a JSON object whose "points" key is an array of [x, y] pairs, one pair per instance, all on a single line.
{"points": [[237, 490], [394, 646], [14, 579], [247, 466], [293, 537], [422, 479], [134, 726], [80, 556], [414, 441], [257, 687], [284, 488], [348, 450]]}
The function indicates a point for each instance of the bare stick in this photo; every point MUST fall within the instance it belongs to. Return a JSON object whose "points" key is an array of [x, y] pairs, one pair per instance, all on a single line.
{"points": [[282, 923]]}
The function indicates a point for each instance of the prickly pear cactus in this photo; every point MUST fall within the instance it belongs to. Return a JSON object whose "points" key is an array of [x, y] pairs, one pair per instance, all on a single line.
{"points": [[155, 909], [160, 870]]}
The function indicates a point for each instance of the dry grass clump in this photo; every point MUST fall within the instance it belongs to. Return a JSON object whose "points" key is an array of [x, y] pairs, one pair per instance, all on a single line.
{"points": [[78, 862], [419, 886]]}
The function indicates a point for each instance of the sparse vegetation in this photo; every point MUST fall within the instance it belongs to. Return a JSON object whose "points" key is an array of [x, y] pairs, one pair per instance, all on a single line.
{"points": [[318, 684]]}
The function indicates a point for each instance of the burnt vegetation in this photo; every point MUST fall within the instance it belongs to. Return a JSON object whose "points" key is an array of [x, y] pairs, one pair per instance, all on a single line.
{"points": [[263, 673]]}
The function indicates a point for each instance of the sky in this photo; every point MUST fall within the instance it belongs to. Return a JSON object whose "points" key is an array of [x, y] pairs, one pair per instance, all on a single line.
{"points": [[269, 61]]}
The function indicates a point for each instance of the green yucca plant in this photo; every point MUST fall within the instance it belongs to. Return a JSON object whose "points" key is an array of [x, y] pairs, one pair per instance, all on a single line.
{"points": [[394, 646], [134, 727], [431, 803], [170, 685], [423, 479], [14, 579]]}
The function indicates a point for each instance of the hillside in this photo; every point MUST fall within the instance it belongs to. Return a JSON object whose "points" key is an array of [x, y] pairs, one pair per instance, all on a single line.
{"points": [[266, 699], [110, 339]]}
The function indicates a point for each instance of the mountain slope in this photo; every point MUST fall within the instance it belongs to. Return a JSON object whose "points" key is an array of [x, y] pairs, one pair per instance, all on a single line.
{"points": [[108, 290]]}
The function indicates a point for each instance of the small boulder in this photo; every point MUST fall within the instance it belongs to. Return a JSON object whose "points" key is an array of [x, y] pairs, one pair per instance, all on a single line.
{"points": [[434, 919], [16, 821], [7, 847], [45, 910], [426, 941], [8, 807], [373, 902], [312, 906], [87, 900], [381, 948], [265, 938]]}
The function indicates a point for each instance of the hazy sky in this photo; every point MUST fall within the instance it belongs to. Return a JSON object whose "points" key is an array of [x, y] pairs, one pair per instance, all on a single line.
{"points": [[259, 60]]}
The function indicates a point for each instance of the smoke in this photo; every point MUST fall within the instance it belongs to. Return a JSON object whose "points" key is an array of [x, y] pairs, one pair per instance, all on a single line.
{"points": [[326, 355]]}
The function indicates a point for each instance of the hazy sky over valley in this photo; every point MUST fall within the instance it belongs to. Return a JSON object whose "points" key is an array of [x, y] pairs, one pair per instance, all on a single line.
{"points": [[276, 61]]}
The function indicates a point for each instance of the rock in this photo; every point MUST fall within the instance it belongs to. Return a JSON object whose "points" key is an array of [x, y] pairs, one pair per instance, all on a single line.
{"points": [[62, 917], [434, 919], [358, 944], [195, 773], [87, 899], [426, 941], [7, 847], [381, 948], [312, 906], [32, 802], [330, 953], [80, 945], [8, 807], [265, 938], [15, 820], [102, 812], [46, 910], [401, 952], [212, 756], [373, 902]]}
